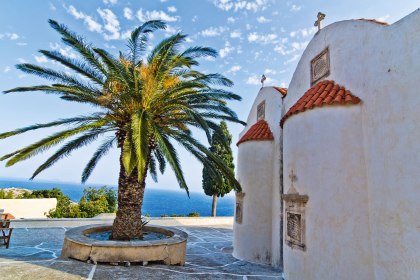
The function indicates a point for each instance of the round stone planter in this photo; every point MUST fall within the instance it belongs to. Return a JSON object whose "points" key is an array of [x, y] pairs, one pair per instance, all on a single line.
{"points": [[170, 250]]}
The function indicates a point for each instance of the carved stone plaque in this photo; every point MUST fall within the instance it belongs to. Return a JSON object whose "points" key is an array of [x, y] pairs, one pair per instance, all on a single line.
{"points": [[239, 207], [295, 220], [261, 111], [320, 66], [294, 226]]}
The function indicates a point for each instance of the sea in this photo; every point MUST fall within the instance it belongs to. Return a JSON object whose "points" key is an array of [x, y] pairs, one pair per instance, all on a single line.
{"points": [[157, 202]]}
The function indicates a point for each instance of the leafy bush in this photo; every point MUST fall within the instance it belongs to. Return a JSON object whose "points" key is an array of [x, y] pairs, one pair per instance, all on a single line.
{"points": [[6, 195], [54, 193], [93, 202], [193, 214], [65, 209]]}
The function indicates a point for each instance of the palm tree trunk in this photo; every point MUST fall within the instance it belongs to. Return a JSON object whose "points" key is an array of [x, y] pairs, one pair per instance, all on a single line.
{"points": [[213, 205], [127, 224]]}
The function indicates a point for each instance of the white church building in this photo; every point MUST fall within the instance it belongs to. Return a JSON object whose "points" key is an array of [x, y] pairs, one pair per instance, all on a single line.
{"points": [[330, 167]]}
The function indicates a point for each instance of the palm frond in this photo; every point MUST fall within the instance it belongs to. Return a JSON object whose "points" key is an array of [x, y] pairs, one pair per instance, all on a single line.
{"points": [[47, 143], [100, 152], [68, 148], [75, 120]]}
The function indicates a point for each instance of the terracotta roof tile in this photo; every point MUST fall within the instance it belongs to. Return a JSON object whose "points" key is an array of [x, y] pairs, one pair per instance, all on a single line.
{"points": [[283, 91], [375, 21], [323, 93], [260, 131]]}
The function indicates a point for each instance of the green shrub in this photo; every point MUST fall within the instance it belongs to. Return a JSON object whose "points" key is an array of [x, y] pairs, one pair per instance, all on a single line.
{"points": [[93, 202], [9, 195], [194, 214]]}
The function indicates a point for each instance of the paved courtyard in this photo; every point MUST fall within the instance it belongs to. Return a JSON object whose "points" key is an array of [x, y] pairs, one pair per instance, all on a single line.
{"points": [[34, 254]]}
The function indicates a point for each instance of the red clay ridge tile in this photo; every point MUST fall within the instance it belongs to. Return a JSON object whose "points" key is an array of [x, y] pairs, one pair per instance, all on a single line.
{"points": [[282, 90], [260, 131], [323, 93], [375, 21]]}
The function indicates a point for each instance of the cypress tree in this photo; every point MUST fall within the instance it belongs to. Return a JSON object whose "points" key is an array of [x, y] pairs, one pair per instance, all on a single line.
{"points": [[214, 183]]}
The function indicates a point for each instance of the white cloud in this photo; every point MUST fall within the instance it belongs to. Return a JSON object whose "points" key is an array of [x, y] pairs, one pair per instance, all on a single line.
{"points": [[304, 32], [155, 15], [7, 69], [21, 44], [13, 36], [52, 7], [112, 2], [10, 36], [264, 39], [384, 18], [255, 79], [296, 46], [170, 30], [189, 40], [212, 31], [235, 34], [281, 49], [172, 9], [226, 50], [270, 71], [126, 34], [231, 20], [262, 19], [194, 19], [234, 69], [294, 58], [88, 20], [112, 25], [93, 25], [66, 51], [248, 26], [73, 11], [227, 5], [295, 8], [128, 13], [21, 60], [41, 59]]}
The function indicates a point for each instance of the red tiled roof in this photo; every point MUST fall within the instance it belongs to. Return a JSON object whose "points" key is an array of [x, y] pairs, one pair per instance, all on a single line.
{"points": [[260, 131], [323, 93], [375, 21], [282, 90]]}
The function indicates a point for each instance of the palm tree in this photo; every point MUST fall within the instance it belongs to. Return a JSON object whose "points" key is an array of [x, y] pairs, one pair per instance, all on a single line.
{"points": [[145, 104]]}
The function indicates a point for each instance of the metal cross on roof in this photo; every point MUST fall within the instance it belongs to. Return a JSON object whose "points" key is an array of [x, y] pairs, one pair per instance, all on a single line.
{"points": [[263, 78], [320, 18]]}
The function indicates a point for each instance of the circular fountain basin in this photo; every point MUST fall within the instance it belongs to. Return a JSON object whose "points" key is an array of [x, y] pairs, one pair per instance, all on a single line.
{"points": [[170, 249]]}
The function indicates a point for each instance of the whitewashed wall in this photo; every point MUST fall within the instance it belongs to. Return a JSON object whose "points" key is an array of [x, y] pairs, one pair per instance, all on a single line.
{"points": [[28, 208], [364, 186], [258, 237]]}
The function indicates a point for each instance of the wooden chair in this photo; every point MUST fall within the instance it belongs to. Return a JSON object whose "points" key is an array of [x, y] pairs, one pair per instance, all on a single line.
{"points": [[5, 230]]}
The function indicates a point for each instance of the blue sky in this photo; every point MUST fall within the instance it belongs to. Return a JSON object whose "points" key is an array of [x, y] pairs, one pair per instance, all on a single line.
{"points": [[252, 36]]}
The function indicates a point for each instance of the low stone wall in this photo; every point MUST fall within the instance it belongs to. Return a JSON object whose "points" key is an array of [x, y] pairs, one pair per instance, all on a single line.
{"points": [[178, 221], [28, 208]]}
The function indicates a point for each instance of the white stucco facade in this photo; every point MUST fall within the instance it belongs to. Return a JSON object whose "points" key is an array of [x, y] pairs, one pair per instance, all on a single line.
{"points": [[358, 164], [258, 237]]}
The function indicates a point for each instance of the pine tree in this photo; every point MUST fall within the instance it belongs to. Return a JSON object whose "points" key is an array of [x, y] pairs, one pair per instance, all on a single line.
{"points": [[215, 183]]}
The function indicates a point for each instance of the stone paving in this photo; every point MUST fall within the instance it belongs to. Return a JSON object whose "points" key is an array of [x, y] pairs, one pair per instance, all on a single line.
{"points": [[34, 254]]}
